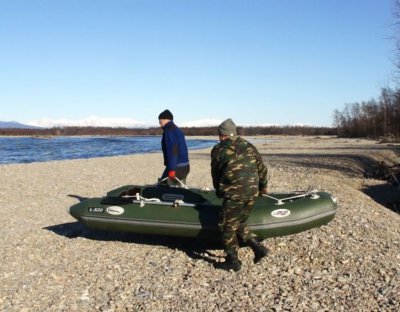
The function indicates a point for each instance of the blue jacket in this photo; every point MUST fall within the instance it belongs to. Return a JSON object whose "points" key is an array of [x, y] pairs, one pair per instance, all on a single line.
{"points": [[174, 147]]}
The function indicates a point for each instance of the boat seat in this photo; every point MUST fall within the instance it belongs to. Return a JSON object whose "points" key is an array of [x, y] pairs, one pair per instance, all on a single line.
{"points": [[171, 194]]}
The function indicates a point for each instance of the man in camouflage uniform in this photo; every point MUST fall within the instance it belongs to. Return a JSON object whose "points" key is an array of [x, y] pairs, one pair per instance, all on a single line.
{"points": [[239, 175]]}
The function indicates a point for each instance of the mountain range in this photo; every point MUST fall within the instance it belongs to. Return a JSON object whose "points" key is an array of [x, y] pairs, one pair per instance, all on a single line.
{"points": [[16, 125], [99, 122], [95, 121]]}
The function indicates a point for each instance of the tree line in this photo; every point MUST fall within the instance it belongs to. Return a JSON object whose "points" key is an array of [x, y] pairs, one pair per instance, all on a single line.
{"points": [[190, 131], [377, 119]]}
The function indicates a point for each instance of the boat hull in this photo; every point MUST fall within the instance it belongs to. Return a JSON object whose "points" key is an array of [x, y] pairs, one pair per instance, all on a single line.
{"points": [[172, 211]]}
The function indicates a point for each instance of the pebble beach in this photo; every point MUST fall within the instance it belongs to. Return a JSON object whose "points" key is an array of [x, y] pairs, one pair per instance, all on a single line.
{"points": [[50, 262]]}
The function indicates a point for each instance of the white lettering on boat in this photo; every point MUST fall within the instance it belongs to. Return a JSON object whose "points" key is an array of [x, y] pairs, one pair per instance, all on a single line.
{"points": [[115, 210], [96, 209], [280, 213]]}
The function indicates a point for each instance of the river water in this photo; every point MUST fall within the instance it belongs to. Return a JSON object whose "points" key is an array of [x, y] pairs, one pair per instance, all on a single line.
{"points": [[31, 149]]}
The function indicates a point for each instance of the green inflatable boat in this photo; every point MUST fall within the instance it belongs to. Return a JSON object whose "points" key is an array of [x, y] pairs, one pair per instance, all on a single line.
{"points": [[176, 211]]}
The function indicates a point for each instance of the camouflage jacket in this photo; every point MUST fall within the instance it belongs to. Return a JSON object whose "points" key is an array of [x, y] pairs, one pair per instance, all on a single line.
{"points": [[237, 169]]}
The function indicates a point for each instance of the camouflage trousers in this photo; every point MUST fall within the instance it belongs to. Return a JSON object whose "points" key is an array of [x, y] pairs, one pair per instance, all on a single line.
{"points": [[232, 222]]}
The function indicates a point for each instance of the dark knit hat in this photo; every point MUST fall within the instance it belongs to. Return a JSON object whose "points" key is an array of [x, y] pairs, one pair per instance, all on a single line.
{"points": [[228, 128], [166, 115]]}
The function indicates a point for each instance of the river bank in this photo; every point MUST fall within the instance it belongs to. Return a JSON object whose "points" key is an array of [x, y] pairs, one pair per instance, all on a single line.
{"points": [[51, 263]]}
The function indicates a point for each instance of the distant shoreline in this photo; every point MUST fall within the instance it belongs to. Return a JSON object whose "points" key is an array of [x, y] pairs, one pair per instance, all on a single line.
{"points": [[189, 131]]}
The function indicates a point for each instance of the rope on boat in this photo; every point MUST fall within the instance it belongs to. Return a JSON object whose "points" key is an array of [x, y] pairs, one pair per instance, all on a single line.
{"points": [[138, 197], [280, 201], [143, 199]]}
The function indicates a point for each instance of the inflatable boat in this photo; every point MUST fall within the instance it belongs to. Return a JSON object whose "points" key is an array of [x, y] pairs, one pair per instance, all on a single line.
{"points": [[177, 211]]}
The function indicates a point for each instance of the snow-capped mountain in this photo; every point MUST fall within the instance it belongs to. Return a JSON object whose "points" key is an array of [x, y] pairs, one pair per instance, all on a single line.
{"points": [[201, 123], [15, 125], [90, 122], [94, 121]]}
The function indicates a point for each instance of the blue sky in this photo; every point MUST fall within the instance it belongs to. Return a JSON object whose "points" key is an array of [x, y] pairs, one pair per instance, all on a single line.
{"points": [[257, 61]]}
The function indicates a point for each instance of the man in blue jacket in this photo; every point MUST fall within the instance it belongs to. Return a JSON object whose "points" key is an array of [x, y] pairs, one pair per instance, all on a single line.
{"points": [[173, 143]]}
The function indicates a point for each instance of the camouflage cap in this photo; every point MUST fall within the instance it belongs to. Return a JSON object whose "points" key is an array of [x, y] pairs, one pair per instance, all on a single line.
{"points": [[228, 128]]}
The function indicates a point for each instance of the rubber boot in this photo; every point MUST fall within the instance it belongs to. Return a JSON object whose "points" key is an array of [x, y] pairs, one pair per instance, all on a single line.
{"points": [[232, 262], [259, 250]]}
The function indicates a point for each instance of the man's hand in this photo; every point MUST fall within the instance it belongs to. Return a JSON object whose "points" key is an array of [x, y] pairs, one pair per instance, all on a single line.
{"points": [[171, 174], [263, 191]]}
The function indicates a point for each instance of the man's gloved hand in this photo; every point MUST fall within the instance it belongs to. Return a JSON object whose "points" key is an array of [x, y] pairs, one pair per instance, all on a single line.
{"points": [[171, 174]]}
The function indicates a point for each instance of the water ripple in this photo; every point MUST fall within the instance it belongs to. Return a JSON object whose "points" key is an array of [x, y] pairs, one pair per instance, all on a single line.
{"points": [[30, 149]]}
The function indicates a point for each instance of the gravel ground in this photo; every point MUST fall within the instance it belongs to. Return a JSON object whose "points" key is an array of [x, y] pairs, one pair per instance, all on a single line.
{"points": [[49, 262]]}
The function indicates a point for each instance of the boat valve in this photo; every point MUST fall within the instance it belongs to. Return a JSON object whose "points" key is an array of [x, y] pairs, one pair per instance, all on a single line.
{"points": [[177, 203]]}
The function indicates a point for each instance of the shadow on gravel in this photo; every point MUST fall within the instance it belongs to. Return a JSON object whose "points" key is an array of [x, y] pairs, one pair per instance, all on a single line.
{"points": [[386, 194], [345, 163], [195, 248]]}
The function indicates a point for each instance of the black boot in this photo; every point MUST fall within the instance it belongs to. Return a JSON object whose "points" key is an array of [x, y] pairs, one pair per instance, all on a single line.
{"points": [[259, 250], [232, 262]]}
